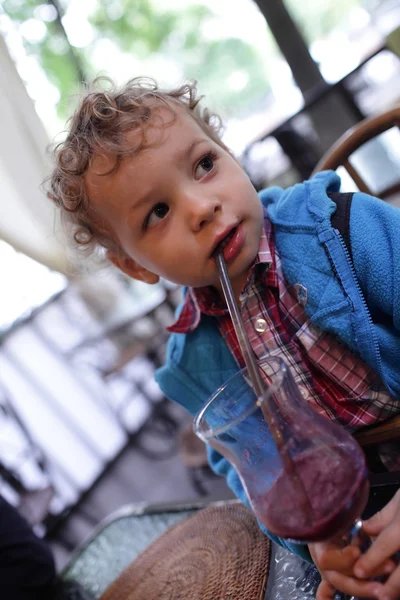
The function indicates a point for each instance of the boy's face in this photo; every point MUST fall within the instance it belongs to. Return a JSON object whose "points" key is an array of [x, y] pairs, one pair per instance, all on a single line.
{"points": [[171, 204]]}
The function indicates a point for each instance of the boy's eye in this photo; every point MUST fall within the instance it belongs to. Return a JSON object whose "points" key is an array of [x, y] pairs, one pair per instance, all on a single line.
{"points": [[205, 165], [158, 212]]}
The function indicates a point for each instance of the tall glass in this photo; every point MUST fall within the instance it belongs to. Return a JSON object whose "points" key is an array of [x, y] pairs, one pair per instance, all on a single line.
{"points": [[306, 483]]}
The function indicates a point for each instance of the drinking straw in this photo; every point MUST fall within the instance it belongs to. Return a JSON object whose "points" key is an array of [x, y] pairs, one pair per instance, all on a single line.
{"points": [[257, 382], [245, 347]]}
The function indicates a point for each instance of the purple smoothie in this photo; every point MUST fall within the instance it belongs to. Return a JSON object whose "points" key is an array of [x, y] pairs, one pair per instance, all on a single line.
{"points": [[337, 487]]}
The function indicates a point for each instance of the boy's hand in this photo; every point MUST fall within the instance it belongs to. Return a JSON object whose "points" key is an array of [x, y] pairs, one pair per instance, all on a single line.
{"points": [[335, 565], [385, 527]]}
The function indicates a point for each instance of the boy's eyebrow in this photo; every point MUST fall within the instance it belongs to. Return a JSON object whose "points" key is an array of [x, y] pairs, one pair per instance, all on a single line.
{"points": [[182, 154], [143, 200], [189, 150]]}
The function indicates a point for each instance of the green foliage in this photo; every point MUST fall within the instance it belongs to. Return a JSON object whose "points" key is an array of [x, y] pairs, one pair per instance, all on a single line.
{"points": [[60, 71], [136, 27], [18, 10], [217, 65]]}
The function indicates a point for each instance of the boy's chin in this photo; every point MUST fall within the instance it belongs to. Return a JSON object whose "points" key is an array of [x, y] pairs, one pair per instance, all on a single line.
{"points": [[238, 272], [238, 280]]}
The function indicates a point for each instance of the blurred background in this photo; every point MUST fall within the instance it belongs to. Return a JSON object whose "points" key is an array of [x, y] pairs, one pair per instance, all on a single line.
{"points": [[84, 428]]}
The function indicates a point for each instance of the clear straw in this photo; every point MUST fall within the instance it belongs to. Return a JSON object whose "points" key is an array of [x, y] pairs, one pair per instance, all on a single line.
{"points": [[247, 352], [258, 385]]}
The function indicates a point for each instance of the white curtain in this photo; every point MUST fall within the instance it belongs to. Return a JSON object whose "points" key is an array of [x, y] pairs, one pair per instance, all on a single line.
{"points": [[27, 218]]}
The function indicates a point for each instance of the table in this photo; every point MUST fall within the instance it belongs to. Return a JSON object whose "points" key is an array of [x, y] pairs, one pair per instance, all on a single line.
{"points": [[126, 533]]}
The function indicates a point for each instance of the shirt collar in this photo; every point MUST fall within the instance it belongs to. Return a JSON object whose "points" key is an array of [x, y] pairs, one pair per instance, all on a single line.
{"points": [[207, 301]]}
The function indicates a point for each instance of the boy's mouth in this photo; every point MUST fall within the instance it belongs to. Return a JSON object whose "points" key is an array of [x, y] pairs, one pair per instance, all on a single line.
{"points": [[230, 243], [219, 247], [226, 240]]}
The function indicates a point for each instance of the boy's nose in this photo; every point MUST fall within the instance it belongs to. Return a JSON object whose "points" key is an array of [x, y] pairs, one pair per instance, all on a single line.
{"points": [[202, 211]]}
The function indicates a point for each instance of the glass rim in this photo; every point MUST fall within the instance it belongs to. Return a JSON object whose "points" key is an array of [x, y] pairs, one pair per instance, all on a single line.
{"points": [[210, 433]]}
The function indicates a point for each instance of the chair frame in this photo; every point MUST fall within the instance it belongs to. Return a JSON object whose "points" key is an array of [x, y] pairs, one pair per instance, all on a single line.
{"points": [[352, 140], [377, 434]]}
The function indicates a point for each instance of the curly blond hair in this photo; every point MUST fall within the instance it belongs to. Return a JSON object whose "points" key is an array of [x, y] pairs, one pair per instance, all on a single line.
{"points": [[103, 118]]}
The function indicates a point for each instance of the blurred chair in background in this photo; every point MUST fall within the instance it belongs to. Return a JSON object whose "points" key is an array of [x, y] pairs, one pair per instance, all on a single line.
{"points": [[124, 356]]}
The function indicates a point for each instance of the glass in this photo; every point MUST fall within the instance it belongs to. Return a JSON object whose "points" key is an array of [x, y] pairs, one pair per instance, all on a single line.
{"points": [[310, 485]]}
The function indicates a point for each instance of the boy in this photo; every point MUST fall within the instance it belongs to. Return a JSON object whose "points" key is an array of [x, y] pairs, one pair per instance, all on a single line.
{"points": [[144, 177]]}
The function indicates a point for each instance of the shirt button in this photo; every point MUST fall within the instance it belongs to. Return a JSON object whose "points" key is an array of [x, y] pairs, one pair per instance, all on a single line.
{"points": [[260, 325], [304, 393]]}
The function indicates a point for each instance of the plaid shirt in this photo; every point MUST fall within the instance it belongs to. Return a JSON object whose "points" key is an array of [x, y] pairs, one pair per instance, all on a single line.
{"points": [[334, 381]]}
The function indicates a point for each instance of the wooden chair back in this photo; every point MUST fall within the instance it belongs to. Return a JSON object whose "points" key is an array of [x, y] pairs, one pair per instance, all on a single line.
{"points": [[352, 140], [376, 434]]}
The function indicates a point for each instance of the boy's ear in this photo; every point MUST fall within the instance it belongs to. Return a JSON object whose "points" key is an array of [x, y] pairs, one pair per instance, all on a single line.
{"points": [[131, 268]]}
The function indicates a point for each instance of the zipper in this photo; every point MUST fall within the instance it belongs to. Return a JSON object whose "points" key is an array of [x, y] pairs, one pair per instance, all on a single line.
{"points": [[363, 301]]}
